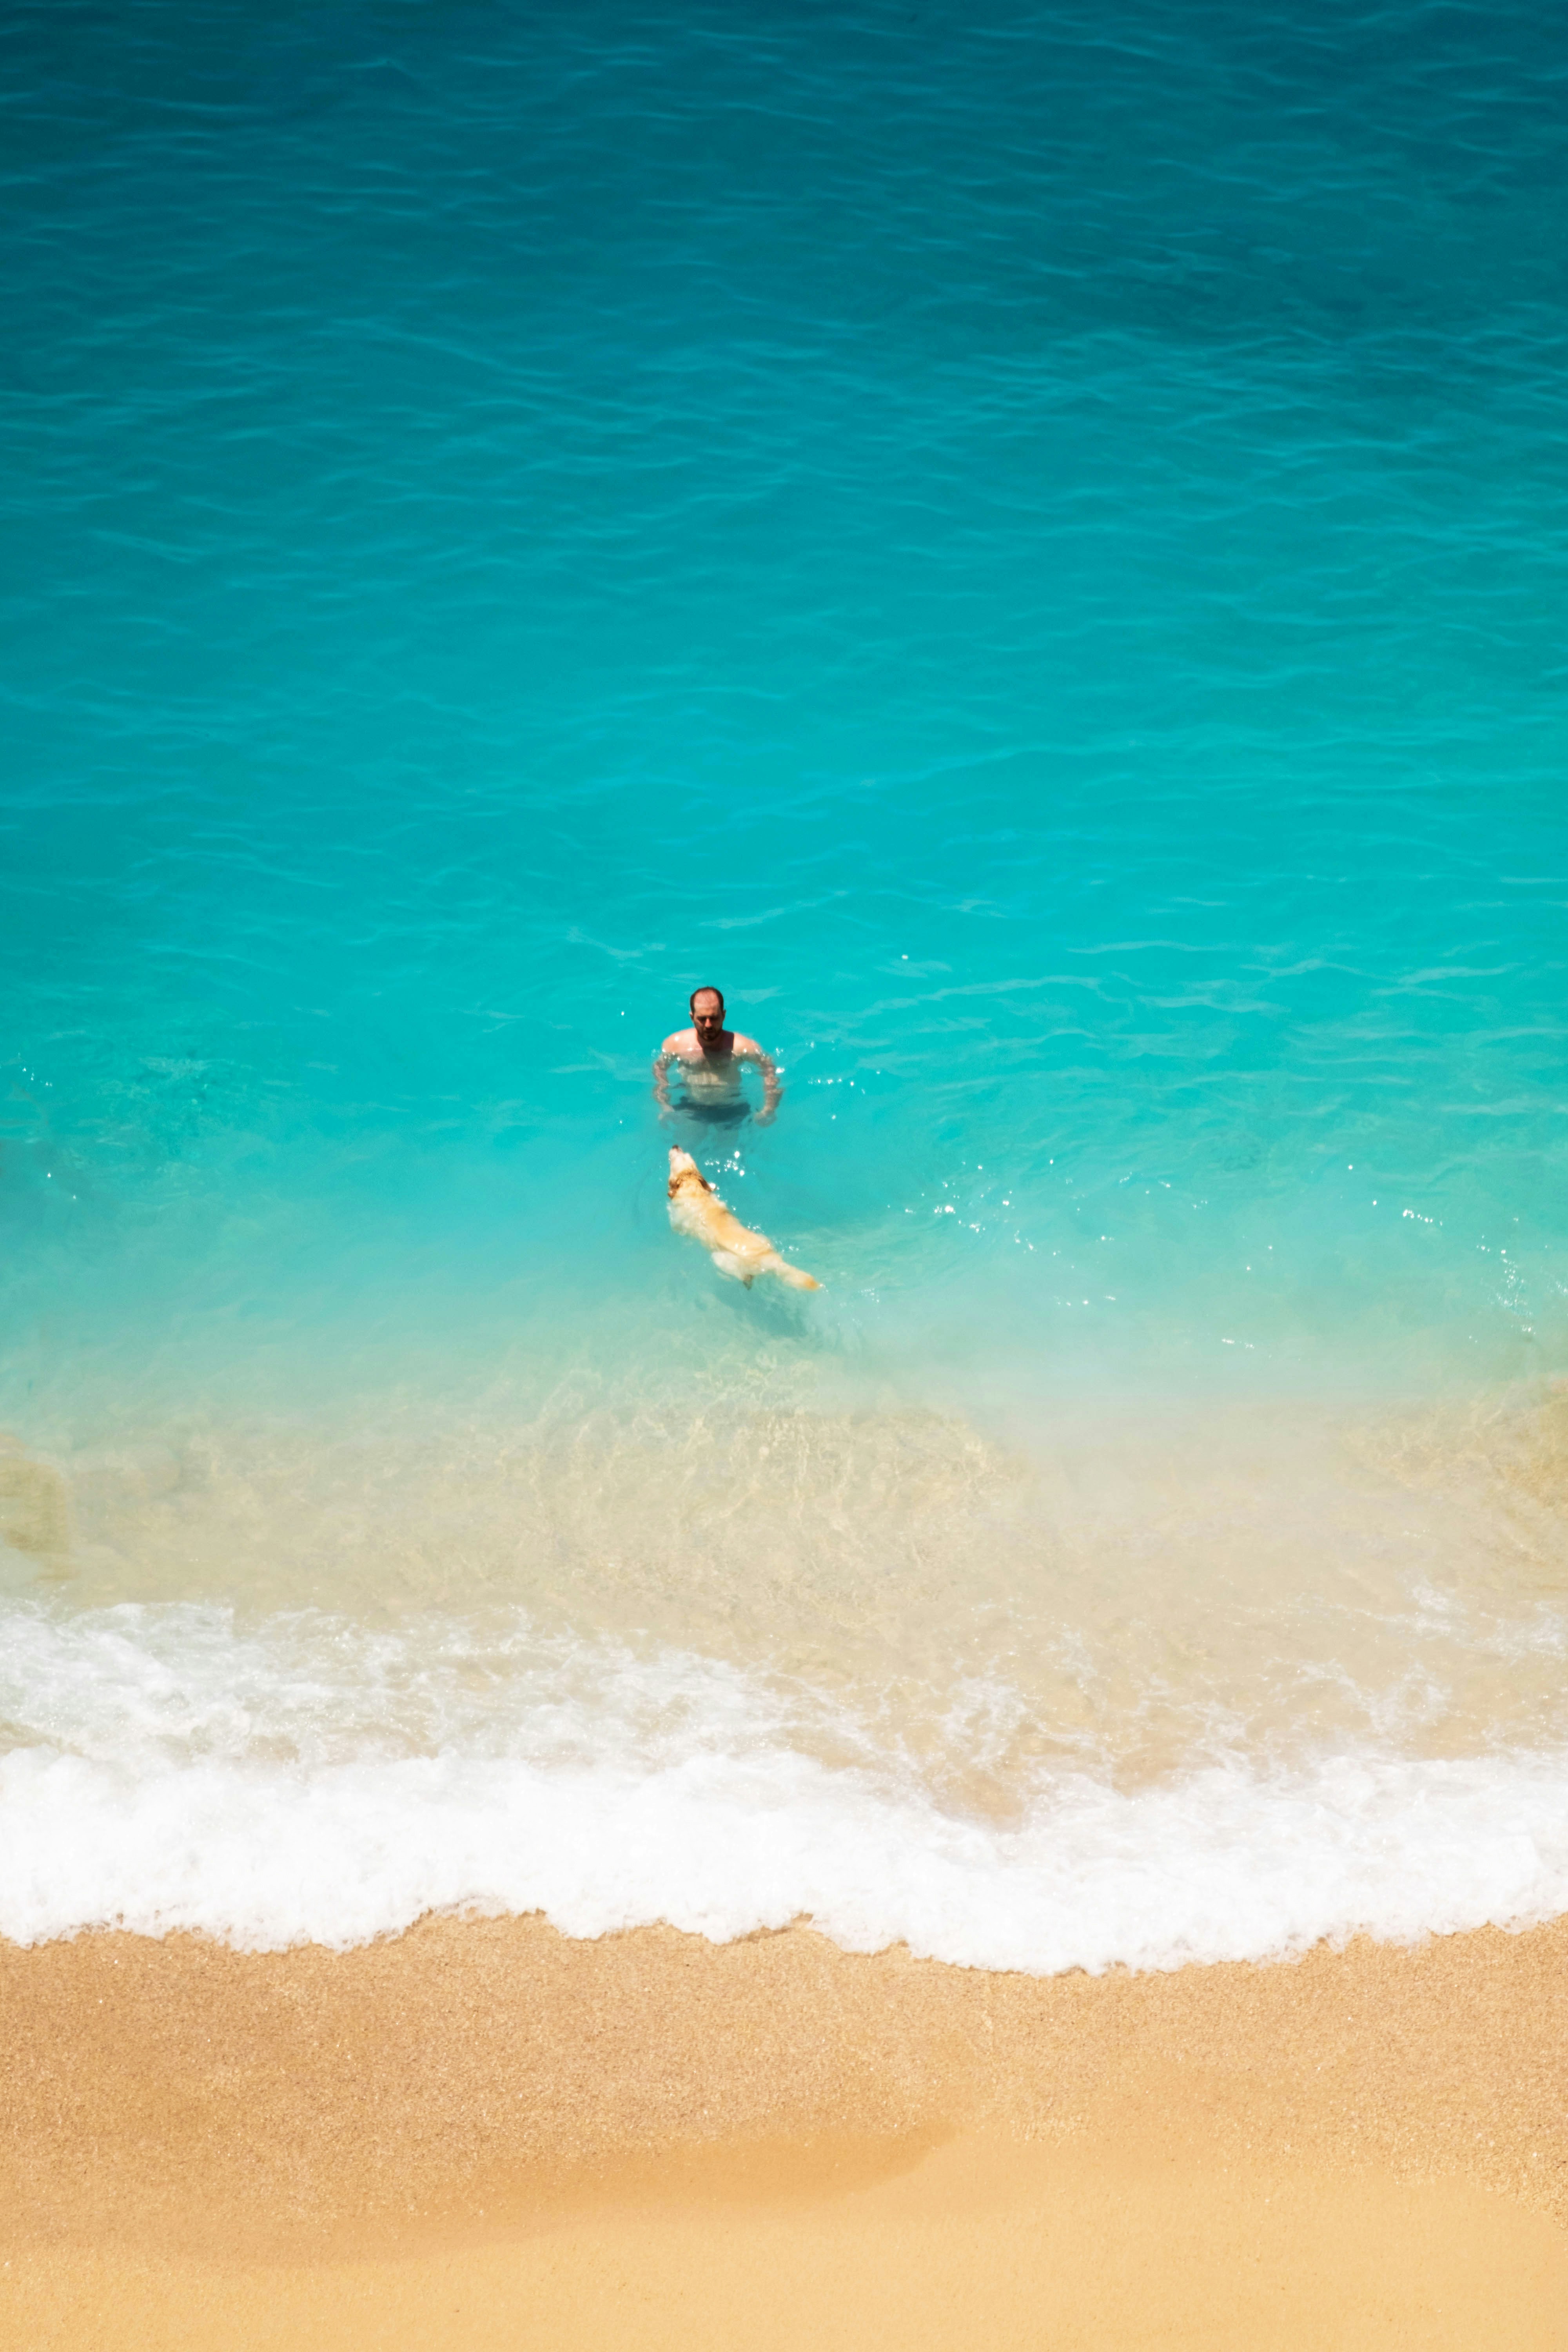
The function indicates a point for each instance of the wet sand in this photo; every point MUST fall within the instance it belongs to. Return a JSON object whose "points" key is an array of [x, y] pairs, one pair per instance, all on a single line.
{"points": [[482, 2134]]}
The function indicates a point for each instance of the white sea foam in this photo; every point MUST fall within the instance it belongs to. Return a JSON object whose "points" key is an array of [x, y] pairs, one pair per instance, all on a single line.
{"points": [[171, 1773]]}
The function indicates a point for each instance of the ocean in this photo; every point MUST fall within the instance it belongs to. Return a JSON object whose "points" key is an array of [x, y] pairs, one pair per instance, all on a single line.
{"points": [[1024, 543]]}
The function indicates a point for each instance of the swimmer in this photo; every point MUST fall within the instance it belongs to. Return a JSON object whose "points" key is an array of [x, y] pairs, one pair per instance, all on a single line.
{"points": [[711, 1059], [696, 1210]]}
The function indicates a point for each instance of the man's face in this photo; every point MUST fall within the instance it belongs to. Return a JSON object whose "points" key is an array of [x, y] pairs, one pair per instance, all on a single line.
{"points": [[708, 1018]]}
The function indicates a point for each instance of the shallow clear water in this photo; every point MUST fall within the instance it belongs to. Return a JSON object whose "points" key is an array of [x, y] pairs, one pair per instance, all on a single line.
{"points": [[1026, 545]]}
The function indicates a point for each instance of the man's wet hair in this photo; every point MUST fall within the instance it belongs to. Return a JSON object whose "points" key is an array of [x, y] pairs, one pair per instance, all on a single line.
{"points": [[691, 1000]]}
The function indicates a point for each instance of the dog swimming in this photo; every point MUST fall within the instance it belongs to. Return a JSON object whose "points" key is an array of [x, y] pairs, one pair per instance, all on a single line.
{"points": [[695, 1209]]}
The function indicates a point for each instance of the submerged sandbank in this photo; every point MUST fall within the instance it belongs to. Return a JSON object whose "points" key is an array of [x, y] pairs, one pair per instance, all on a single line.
{"points": [[652, 2139]]}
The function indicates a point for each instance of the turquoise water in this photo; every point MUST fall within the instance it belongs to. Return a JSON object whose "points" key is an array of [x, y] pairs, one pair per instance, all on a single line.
{"points": [[1024, 544]]}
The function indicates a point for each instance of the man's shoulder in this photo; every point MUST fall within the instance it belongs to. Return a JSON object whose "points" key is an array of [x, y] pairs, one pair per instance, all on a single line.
{"points": [[679, 1040], [748, 1045]]}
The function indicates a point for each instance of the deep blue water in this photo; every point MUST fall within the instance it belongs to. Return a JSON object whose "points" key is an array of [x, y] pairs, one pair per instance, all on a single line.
{"points": [[1025, 543]]}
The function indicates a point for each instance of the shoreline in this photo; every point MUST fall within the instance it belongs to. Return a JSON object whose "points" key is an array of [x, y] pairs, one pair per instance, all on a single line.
{"points": [[485, 2099]]}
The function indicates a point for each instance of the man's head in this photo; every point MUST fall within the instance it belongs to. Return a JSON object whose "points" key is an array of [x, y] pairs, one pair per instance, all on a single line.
{"points": [[707, 1007]]}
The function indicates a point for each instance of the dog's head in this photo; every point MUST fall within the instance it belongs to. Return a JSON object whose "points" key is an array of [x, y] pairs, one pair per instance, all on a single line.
{"points": [[684, 1173]]}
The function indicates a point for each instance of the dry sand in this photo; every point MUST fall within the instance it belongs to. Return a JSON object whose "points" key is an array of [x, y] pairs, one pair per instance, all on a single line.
{"points": [[483, 2135]]}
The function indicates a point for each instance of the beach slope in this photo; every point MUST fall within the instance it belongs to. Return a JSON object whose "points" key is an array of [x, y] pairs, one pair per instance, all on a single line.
{"points": [[483, 2133]]}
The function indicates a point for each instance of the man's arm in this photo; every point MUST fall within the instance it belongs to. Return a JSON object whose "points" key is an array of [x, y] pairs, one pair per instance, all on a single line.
{"points": [[669, 1052], [748, 1050]]}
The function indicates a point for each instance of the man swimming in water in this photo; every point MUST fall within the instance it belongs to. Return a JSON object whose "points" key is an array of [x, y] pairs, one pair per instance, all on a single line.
{"points": [[711, 1059]]}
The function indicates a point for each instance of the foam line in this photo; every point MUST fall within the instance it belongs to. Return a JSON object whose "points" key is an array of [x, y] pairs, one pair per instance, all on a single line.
{"points": [[1221, 1865]]}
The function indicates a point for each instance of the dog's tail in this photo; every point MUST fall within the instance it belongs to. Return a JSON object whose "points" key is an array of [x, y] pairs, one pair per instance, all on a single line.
{"points": [[794, 1275]]}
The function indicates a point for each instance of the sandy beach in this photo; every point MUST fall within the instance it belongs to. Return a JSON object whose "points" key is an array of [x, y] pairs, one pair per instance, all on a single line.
{"points": [[482, 2133]]}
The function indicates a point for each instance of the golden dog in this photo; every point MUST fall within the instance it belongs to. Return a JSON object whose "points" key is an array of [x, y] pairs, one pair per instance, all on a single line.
{"points": [[696, 1209]]}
